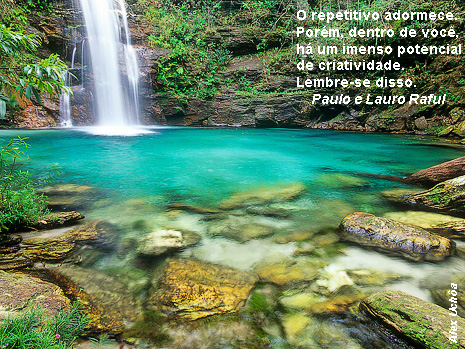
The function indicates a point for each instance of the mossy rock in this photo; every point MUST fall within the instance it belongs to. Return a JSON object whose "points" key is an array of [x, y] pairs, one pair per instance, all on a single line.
{"points": [[426, 324], [446, 196]]}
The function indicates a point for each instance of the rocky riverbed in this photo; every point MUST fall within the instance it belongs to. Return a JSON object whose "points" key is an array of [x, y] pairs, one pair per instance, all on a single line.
{"points": [[176, 290]]}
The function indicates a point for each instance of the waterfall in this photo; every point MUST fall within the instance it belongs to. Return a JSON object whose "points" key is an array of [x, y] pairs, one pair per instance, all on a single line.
{"points": [[65, 102], [114, 66]]}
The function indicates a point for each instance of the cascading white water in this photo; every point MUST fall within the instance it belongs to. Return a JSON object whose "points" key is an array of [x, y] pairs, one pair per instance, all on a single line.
{"points": [[116, 96], [65, 105]]}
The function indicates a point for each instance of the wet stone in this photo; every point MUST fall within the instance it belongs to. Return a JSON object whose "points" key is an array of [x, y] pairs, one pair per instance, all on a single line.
{"points": [[167, 240], [192, 289], [396, 238]]}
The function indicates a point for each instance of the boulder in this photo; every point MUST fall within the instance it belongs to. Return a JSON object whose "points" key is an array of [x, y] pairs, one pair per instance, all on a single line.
{"points": [[192, 289], [396, 238], [425, 324], [20, 291], [166, 240], [447, 196], [263, 196], [439, 173]]}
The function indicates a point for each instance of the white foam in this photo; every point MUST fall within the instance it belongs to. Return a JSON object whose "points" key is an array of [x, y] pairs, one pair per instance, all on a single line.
{"points": [[124, 131]]}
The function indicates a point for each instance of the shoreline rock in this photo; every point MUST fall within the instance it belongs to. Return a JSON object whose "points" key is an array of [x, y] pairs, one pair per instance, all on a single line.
{"points": [[396, 238], [426, 324]]}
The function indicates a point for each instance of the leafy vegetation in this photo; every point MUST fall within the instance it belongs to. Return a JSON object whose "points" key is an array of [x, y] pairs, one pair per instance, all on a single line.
{"points": [[31, 329], [191, 66], [23, 74], [27, 79], [19, 202]]}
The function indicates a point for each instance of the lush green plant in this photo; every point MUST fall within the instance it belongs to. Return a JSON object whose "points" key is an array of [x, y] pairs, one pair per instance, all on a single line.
{"points": [[28, 79], [190, 68], [32, 330], [19, 202]]}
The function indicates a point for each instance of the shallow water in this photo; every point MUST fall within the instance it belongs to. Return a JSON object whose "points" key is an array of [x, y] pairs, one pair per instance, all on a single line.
{"points": [[138, 177]]}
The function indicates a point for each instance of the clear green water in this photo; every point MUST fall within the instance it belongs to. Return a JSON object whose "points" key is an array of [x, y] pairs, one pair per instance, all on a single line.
{"points": [[138, 177], [203, 166]]}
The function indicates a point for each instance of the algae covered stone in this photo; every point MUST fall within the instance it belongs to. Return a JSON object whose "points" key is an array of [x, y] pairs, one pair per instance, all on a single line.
{"points": [[445, 196], [396, 238], [283, 271], [192, 289], [426, 324], [263, 196]]}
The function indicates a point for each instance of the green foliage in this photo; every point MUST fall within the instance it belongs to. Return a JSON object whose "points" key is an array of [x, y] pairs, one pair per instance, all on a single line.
{"points": [[19, 202], [17, 73], [191, 66], [31, 330]]}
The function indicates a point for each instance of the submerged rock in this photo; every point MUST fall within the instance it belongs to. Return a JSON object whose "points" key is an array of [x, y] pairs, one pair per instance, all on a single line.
{"points": [[66, 196], [301, 301], [283, 271], [107, 302], [339, 181], [167, 240], [373, 277], [397, 196], [235, 230], [425, 220], [193, 209], [263, 196], [396, 238], [269, 211], [445, 196], [454, 230], [426, 324], [442, 295], [193, 289], [295, 236], [21, 291]]}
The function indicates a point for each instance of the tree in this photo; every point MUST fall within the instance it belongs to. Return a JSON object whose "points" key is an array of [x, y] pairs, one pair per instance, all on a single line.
{"points": [[32, 79]]}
